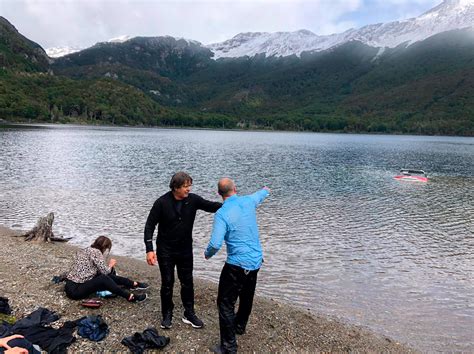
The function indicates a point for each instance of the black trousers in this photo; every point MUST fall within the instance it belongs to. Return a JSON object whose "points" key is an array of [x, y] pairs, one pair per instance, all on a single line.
{"points": [[101, 282], [234, 282], [184, 266]]}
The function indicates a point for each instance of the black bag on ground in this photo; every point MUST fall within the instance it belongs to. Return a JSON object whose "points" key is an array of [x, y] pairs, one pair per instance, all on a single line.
{"points": [[4, 307], [149, 339]]}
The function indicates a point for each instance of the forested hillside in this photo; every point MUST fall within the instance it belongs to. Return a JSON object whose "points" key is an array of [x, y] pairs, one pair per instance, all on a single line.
{"points": [[425, 88], [18, 52]]}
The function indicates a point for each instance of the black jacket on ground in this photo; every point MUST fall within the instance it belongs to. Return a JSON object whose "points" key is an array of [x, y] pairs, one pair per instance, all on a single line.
{"points": [[35, 328], [175, 221]]}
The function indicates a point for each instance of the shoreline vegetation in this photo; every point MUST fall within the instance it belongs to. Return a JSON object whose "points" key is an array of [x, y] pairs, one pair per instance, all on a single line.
{"points": [[27, 269], [82, 124], [419, 89]]}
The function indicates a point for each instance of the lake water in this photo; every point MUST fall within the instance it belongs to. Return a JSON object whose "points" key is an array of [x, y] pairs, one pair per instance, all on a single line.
{"points": [[341, 237]]}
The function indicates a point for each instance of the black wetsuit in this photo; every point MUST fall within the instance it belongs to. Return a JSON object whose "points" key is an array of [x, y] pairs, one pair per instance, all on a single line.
{"points": [[174, 244]]}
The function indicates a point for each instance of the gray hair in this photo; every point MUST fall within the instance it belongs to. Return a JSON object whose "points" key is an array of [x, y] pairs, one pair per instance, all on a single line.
{"points": [[225, 186]]}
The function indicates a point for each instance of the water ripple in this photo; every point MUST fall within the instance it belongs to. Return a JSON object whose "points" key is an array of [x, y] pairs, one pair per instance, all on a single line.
{"points": [[340, 235]]}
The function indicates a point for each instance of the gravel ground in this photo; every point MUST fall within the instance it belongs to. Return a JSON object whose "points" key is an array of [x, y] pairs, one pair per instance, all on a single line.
{"points": [[26, 270]]}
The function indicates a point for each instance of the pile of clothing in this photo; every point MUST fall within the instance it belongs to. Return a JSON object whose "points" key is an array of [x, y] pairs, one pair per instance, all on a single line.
{"points": [[36, 329]]}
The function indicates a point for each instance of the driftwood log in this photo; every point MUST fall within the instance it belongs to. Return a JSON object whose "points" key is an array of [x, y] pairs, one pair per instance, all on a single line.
{"points": [[43, 231]]}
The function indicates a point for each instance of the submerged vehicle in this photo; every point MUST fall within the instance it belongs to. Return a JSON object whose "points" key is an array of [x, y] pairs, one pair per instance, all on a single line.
{"points": [[411, 175]]}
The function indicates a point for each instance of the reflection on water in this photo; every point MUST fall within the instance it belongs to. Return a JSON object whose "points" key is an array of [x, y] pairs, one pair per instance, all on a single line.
{"points": [[340, 235]]}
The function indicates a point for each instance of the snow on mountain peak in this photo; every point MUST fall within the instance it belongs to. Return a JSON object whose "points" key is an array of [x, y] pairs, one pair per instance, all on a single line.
{"points": [[56, 52], [120, 39], [462, 3], [253, 43], [449, 15], [451, 7]]}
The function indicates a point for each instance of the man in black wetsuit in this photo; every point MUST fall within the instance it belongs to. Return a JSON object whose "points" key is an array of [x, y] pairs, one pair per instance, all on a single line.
{"points": [[174, 212]]}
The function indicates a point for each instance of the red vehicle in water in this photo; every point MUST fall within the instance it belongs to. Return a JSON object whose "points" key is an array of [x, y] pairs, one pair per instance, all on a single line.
{"points": [[412, 175]]}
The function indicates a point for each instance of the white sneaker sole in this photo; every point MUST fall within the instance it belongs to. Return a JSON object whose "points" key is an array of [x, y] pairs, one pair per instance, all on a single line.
{"points": [[185, 320]]}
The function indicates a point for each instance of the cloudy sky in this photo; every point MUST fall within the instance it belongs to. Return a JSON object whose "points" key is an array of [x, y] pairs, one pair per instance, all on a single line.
{"points": [[82, 23]]}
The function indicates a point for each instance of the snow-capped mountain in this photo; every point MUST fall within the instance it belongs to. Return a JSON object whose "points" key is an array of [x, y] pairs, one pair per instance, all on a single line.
{"points": [[449, 15], [120, 39], [57, 52]]}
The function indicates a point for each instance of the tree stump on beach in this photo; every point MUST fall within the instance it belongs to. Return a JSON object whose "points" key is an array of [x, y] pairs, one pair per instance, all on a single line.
{"points": [[43, 231]]}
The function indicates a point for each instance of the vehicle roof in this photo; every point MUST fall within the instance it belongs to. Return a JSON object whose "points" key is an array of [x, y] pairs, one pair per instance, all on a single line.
{"points": [[407, 170]]}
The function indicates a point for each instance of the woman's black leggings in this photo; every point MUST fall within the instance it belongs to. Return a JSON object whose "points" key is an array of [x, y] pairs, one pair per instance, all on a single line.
{"points": [[101, 282]]}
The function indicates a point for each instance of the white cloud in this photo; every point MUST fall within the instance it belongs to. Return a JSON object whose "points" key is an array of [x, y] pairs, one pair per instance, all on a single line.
{"points": [[406, 9], [410, 2]]}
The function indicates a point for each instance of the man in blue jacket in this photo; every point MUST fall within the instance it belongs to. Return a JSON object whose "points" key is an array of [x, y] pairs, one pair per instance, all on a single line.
{"points": [[236, 224]]}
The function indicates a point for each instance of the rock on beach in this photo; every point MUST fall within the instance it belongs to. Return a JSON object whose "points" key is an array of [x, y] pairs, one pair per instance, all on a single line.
{"points": [[26, 270]]}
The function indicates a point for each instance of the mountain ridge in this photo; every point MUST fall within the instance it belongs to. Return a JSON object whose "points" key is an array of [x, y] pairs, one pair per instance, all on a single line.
{"points": [[448, 15], [424, 88]]}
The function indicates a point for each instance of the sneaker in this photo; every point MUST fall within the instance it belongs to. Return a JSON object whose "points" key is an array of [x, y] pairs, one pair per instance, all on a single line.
{"points": [[141, 286], [219, 349], [166, 323], [193, 320], [137, 297]]}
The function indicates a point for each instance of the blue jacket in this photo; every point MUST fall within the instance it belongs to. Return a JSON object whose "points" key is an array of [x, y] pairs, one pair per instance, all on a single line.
{"points": [[236, 223]]}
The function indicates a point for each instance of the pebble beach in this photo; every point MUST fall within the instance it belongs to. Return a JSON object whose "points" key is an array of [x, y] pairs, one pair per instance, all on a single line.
{"points": [[26, 270]]}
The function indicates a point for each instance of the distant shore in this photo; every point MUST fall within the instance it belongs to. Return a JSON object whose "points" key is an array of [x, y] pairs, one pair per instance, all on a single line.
{"points": [[272, 130], [27, 268]]}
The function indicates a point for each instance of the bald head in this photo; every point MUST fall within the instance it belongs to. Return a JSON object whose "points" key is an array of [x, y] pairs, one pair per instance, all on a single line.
{"points": [[226, 187]]}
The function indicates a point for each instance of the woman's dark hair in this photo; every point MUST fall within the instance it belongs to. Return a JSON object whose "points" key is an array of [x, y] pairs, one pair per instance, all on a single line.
{"points": [[102, 243], [179, 179]]}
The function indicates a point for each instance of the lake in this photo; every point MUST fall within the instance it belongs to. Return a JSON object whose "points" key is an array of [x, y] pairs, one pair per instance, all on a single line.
{"points": [[341, 236]]}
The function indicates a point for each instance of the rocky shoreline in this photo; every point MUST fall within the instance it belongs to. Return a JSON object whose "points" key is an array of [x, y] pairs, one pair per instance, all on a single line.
{"points": [[26, 270]]}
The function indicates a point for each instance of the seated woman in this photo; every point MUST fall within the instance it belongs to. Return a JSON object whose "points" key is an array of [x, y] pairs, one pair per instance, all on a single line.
{"points": [[89, 274]]}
